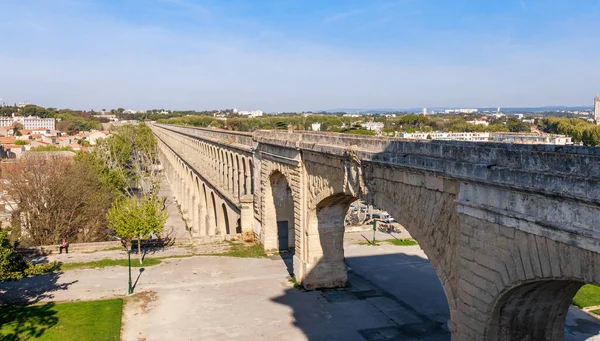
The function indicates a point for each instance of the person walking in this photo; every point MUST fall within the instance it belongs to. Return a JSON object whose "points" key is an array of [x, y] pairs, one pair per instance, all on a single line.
{"points": [[64, 245]]}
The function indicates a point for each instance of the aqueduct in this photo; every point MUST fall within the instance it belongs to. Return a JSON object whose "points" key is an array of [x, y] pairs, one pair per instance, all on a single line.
{"points": [[512, 231]]}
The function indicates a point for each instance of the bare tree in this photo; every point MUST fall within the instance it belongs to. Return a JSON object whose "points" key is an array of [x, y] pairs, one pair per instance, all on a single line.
{"points": [[52, 197]]}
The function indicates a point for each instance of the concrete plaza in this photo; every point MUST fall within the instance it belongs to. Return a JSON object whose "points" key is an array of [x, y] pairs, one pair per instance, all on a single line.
{"points": [[394, 294]]}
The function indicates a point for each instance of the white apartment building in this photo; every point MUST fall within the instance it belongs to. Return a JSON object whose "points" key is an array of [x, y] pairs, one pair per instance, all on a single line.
{"points": [[479, 122], [530, 138], [316, 126], [30, 122], [461, 111], [490, 137], [436, 135], [375, 126], [6, 121], [33, 122], [251, 114]]}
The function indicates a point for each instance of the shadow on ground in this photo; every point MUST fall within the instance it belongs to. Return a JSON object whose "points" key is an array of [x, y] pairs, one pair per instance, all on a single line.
{"points": [[20, 314], [26, 322], [32, 289], [392, 297], [368, 310]]}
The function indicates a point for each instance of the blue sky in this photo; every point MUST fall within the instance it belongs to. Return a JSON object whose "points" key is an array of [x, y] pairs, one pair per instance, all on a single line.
{"points": [[281, 55]]}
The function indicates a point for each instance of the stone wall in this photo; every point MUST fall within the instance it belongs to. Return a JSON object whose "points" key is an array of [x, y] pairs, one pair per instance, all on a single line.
{"points": [[512, 231]]}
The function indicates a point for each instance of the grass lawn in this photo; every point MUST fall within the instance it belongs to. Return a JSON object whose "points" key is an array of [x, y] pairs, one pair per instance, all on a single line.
{"points": [[401, 242], [110, 262], [587, 296], [397, 242], [90, 321], [243, 251]]}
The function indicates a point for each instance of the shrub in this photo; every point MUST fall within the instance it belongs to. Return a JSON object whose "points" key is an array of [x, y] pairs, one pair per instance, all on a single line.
{"points": [[12, 265]]}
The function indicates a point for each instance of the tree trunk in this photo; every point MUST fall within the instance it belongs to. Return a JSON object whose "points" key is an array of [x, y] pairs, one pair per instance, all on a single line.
{"points": [[140, 248]]}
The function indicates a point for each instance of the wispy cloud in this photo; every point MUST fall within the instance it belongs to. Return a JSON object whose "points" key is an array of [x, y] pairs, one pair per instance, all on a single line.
{"points": [[523, 4], [36, 26], [341, 16], [190, 7]]}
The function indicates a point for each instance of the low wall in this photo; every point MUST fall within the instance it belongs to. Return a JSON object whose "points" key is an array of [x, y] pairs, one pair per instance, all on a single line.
{"points": [[216, 239], [75, 247]]}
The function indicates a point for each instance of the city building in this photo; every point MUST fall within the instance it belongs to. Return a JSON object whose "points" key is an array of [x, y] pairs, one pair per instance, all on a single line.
{"points": [[6, 121], [251, 114], [95, 135], [436, 135], [597, 109], [461, 111], [530, 138], [29, 123], [425, 111], [375, 126], [316, 126], [490, 137], [479, 122], [34, 122]]}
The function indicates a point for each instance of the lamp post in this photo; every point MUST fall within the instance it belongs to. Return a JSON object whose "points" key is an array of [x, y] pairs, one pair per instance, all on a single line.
{"points": [[130, 290], [374, 229]]}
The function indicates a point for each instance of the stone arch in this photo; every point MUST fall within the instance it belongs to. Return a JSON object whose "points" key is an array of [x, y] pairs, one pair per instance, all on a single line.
{"points": [[238, 174], [245, 176], [524, 283], [251, 169], [199, 209], [215, 215], [225, 218], [233, 174], [532, 311], [209, 213], [279, 217], [326, 267]]}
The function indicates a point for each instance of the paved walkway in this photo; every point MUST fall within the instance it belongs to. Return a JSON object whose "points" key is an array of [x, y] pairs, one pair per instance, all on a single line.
{"points": [[394, 294], [174, 226]]}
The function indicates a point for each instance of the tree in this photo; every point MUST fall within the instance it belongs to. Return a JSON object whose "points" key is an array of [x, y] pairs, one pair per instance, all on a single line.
{"points": [[12, 265], [54, 197], [132, 152], [17, 128], [137, 218]]}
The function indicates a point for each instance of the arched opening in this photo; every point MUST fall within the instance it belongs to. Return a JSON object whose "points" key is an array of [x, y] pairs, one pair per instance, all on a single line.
{"points": [[199, 209], [233, 174], [225, 219], [279, 214], [251, 168], [245, 176], [215, 215], [532, 311], [238, 226], [209, 217], [238, 173], [406, 275]]}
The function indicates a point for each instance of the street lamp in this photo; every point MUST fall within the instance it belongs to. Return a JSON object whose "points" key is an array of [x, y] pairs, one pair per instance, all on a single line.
{"points": [[374, 229], [130, 290]]}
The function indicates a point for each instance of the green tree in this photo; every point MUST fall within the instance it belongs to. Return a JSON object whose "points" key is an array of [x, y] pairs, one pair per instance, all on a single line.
{"points": [[137, 218], [12, 265]]}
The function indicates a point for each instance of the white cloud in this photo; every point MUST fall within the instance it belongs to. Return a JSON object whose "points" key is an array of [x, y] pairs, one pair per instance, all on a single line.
{"points": [[341, 16]]}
